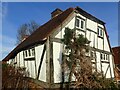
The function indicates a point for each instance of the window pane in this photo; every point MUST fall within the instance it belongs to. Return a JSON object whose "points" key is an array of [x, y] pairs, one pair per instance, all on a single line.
{"points": [[104, 56], [29, 52], [26, 53], [101, 55], [101, 33], [98, 32], [82, 24], [77, 22], [33, 52]]}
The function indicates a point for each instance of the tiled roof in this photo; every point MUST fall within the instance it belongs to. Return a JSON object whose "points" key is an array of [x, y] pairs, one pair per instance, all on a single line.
{"points": [[41, 34]]}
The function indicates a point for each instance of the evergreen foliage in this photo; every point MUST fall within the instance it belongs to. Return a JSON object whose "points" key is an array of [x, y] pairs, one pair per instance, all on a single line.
{"points": [[78, 65]]}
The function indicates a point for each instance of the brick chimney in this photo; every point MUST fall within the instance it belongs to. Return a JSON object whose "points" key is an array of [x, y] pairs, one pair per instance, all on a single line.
{"points": [[56, 12]]}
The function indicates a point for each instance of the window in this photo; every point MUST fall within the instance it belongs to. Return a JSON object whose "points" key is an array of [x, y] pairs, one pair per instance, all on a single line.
{"points": [[104, 56], [26, 53], [101, 56], [30, 53], [77, 22], [33, 52], [107, 57], [80, 23], [100, 32]]}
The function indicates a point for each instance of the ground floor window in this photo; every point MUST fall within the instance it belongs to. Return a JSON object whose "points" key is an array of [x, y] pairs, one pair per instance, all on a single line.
{"points": [[29, 53]]}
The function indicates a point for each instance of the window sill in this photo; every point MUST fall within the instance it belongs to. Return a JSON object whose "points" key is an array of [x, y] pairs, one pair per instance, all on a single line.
{"points": [[77, 28]]}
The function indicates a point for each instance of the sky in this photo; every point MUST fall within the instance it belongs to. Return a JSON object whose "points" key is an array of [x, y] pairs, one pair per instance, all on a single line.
{"points": [[14, 14]]}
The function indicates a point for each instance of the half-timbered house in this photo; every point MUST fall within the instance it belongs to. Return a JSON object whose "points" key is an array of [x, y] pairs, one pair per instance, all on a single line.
{"points": [[41, 52]]}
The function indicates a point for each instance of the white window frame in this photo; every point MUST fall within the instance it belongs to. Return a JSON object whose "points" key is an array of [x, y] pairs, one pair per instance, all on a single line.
{"points": [[104, 56], [100, 32], [80, 20], [29, 53]]}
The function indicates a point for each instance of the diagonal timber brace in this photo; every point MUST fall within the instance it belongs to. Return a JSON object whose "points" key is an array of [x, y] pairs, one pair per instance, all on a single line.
{"points": [[41, 60]]}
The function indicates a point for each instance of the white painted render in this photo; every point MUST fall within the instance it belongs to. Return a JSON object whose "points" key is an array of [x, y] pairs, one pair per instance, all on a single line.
{"points": [[38, 53], [57, 60], [91, 25], [90, 32]]}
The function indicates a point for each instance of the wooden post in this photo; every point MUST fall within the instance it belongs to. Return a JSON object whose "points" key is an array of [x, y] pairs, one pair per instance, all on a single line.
{"points": [[35, 63], [49, 62], [101, 65]]}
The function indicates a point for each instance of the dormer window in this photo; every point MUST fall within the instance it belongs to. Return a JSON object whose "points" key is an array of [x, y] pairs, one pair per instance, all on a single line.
{"points": [[100, 32], [80, 23]]}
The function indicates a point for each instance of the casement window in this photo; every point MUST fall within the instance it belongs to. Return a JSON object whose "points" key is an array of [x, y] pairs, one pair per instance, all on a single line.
{"points": [[104, 56], [100, 32], [29, 54], [80, 23], [107, 57], [101, 55]]}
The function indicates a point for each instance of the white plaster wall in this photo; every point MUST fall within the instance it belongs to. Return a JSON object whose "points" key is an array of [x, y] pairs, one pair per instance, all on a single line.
{"points": [[26, 66], [91, 25], [17, 60], [106, 45], [92, 40], [108, 75], [104, 68], [38, 53], [100, 25], [31, 69], [21, 59], [88, 35], [70, 25], [100, 43], [57, 60], [98, 61], [78, 14], [112, 65]]}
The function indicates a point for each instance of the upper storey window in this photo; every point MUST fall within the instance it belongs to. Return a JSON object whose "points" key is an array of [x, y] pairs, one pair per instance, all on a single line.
{"points": [[100, 32], [80, 23]]}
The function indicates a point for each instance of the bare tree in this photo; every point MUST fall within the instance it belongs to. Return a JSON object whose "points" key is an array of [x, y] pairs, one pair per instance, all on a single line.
{"points": [[26, 30]]}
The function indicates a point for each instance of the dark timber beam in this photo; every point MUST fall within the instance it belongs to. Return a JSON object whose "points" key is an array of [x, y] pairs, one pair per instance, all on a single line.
{"points": [[51, 63], [41, 60]]}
